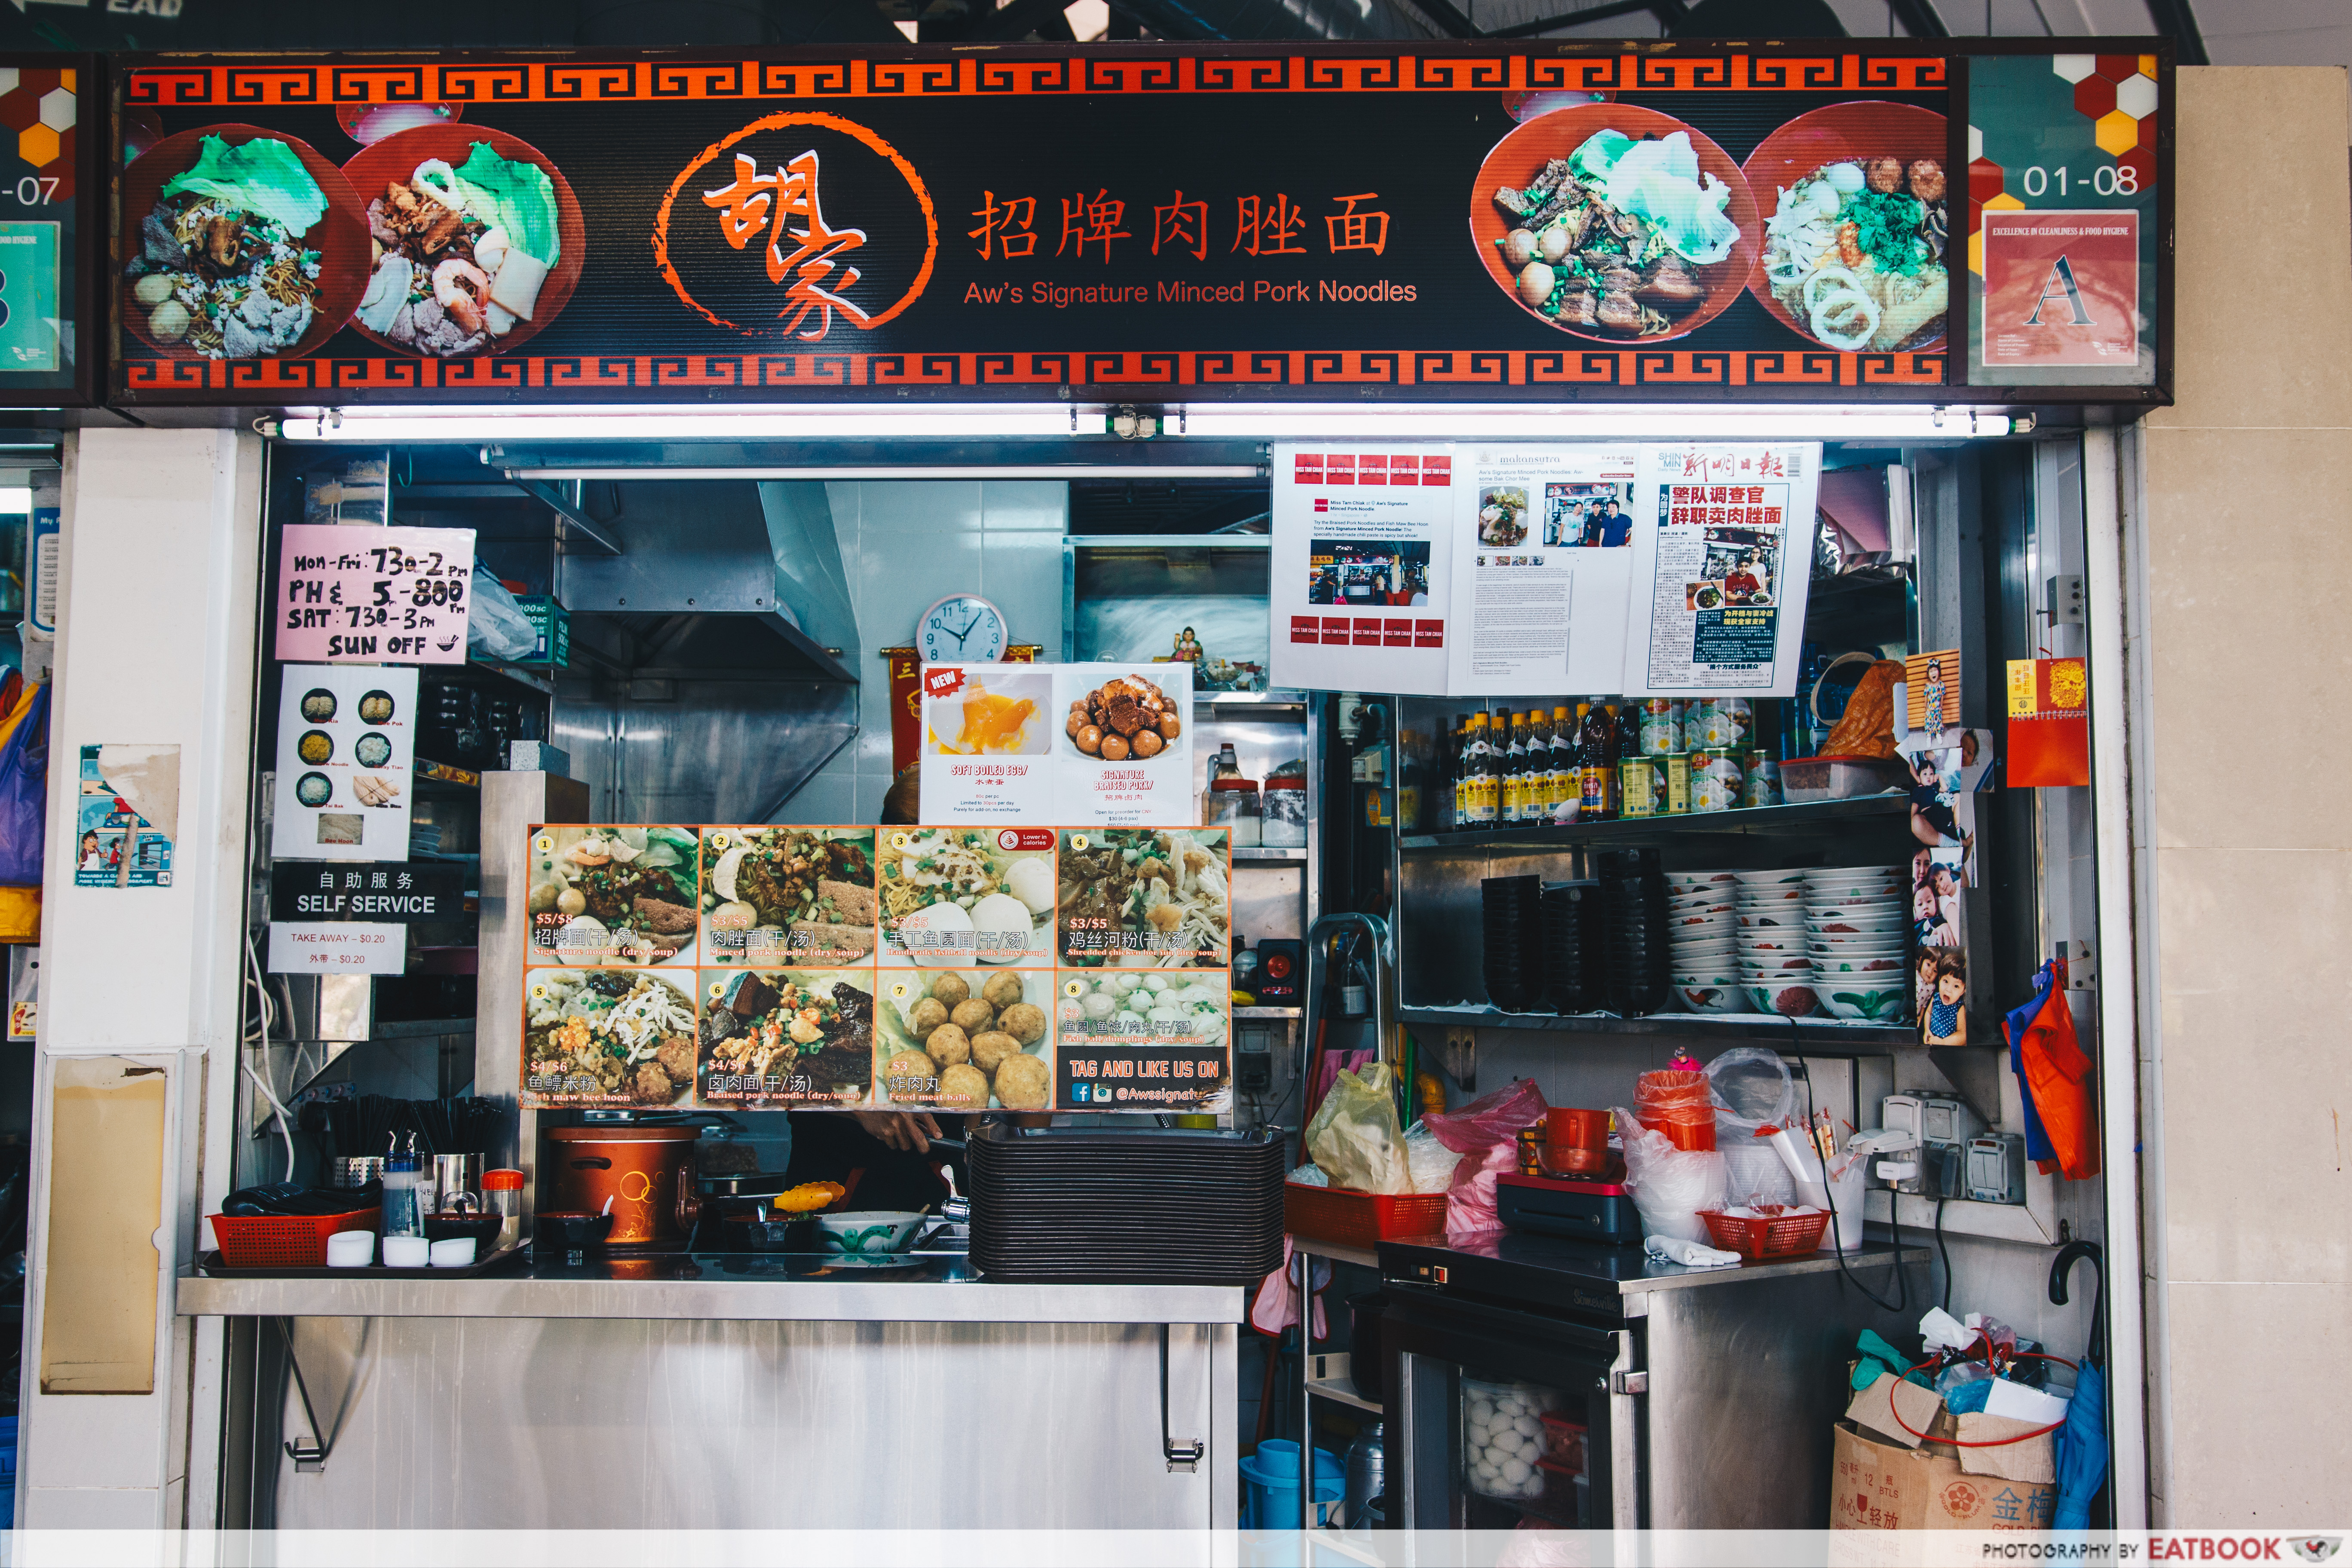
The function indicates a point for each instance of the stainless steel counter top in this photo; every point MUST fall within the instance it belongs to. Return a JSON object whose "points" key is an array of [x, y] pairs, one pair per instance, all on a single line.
{"points": [[739, 1288], [1584, 1269]]}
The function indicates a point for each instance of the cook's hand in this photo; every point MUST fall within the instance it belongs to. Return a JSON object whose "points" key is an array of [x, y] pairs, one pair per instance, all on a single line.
{"points": [[910, 1129]]}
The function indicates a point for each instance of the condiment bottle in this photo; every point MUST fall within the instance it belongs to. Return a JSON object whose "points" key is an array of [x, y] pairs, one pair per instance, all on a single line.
{"points": [[404, 1184], [502, 1195]]}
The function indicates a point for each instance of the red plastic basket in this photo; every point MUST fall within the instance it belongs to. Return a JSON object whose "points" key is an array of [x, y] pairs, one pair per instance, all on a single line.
{"points": [[1359, 1219], [284, 1241], [1767, 1236]]}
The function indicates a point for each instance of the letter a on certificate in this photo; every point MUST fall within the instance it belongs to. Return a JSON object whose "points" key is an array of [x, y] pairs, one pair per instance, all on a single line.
{"points": [[2062, 276]]}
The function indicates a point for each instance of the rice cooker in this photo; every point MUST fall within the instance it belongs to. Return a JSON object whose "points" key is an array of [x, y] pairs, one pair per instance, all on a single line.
{"points": [[647, 1171]]}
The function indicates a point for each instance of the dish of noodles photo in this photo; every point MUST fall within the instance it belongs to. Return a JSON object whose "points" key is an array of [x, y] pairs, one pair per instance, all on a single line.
{"points": [[1856, 227]]}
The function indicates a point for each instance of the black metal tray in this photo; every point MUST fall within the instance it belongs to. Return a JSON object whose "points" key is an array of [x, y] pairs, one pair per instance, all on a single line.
{"points": [[210, 1265]]}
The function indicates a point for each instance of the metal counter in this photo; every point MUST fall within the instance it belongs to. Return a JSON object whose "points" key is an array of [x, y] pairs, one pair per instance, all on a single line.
{"points": [[732, 1392], [732, 1286]]}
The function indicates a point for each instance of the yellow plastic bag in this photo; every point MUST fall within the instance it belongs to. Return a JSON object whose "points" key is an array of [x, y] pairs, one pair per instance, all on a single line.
{"points": [[20, 915], [1355, 1139]]}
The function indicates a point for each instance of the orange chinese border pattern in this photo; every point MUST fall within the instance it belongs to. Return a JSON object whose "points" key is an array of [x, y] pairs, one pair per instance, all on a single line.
{"points": [[1238, 367], [326, 83]]}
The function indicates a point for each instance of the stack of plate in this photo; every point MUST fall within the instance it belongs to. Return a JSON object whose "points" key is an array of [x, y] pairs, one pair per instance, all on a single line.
{"points": [[1703, 933], [1572, 964], [1776, 972], [1514, 961], [1147, 1206], [1633, 937], [1858, 937]]}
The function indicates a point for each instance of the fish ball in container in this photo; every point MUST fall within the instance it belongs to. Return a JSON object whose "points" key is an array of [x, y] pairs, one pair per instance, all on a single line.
{"points": [[949, 990], [1536, 283], [1519, 248], [1001, 991], [1025, 1022], [928, 1015], [972, 1015]]}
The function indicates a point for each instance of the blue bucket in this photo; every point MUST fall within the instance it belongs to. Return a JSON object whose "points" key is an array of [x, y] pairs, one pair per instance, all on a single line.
{"points": [[1270, 1485]]}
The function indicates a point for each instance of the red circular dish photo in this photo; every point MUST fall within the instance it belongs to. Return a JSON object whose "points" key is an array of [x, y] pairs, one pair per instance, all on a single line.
{"points": [[339, 236], [1519, 159], [394, 161], [1842, 133]]}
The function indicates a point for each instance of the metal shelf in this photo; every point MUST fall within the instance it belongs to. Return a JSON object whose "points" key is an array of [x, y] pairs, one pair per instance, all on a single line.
{"points": [[1270, 857], [1247, 1014], [1332, 1376], [1811, 816], [1818, 1036], [544, 684]]}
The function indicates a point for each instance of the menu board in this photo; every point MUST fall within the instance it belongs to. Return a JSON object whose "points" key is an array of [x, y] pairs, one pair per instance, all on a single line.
{"points": [[1108, 743], [346, 751], [947, 967]]}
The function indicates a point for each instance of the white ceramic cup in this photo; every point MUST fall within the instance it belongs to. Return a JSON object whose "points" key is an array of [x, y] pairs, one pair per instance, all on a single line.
{"points": [[458, 1252], [406, 1252], [351, 1249]]}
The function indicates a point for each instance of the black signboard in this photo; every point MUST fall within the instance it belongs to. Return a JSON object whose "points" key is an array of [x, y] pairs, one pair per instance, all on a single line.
{"points": [[381, 892], [1532, 222]]}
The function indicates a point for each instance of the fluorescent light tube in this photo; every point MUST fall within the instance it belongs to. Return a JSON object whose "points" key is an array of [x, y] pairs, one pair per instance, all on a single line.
{"points": [[1711, 422], [1223, 421]]}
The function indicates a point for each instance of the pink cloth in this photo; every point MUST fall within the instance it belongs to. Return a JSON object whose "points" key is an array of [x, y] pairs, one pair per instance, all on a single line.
{"points": [[1276, 1306]]}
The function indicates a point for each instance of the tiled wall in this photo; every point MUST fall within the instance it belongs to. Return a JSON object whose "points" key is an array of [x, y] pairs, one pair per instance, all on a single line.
{"points": [[2248, 535], [905, 544]]}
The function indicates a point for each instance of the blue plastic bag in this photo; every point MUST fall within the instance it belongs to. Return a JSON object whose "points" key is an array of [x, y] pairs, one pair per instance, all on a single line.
{"points": [[24, 796]]}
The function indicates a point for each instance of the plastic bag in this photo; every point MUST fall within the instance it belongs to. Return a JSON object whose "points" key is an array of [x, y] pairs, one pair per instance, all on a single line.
{"points": [[1753, 1173], [1670, 1185], [1430, 1162], [1487, 1134], [1675, 1099], [1355, 1137], [496, 627], [1750, 1087], [25, 793]]}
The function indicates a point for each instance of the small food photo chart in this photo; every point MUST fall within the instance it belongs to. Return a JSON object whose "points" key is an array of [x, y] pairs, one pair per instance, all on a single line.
{"points": [[954, 967]]}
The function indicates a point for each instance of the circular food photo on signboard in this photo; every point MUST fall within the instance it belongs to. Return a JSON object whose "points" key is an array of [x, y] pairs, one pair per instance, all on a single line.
{"points": [[1614, 223], [250, 246], [314, 789], [376, 707], [1854, 226], [317, 705], [479, 242], [316, 746]]}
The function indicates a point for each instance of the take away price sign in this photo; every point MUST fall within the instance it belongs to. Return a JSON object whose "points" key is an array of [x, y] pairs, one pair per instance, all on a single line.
{"points": [[372, 596]]}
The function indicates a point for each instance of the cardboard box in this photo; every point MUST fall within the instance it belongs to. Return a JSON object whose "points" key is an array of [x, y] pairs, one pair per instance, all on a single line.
{"points": [[1881, 1486], [553, 625]]}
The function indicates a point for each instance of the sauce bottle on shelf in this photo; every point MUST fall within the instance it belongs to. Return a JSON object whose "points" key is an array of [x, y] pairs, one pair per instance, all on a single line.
{"points": [[1564, 782], [1597, 768], [1477, 774], [403, 1181]]}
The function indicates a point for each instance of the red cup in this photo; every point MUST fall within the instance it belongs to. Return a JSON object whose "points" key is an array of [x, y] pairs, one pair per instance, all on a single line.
{"points": [[1576, 1143]]}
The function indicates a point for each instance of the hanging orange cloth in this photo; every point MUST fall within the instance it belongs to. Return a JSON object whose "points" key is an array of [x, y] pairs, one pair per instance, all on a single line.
{"points": [[2058, 1076]]}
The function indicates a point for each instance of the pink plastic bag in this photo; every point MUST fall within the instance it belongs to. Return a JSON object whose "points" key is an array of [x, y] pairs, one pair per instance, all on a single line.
{"points": [[1487, 1134]]}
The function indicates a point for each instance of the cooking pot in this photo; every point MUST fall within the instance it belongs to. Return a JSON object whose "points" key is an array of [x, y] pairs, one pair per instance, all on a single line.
{"points": [[647, 1171]]}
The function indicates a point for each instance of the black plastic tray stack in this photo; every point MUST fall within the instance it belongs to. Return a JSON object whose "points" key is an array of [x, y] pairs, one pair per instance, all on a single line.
{"points": [[1511, 909], [1114, 1205], [1634, 919], [1572, 962]]}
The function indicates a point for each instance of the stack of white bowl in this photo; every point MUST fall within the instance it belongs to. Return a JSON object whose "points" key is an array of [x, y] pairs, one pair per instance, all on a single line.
{"points": [[1858, 936], [1776, 972], [1703, 940]]}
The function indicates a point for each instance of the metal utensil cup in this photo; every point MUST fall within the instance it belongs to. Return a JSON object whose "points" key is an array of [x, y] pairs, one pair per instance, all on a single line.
{"points": [[358, 1171], [454, 1175]]}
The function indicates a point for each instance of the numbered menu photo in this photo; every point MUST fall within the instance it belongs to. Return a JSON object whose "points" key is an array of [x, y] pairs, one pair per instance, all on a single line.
{"points": [[1144, 898], [965, 1039], [777, 1039], [608, 1037], [957, 895], [789, 897], [613, 897]]}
